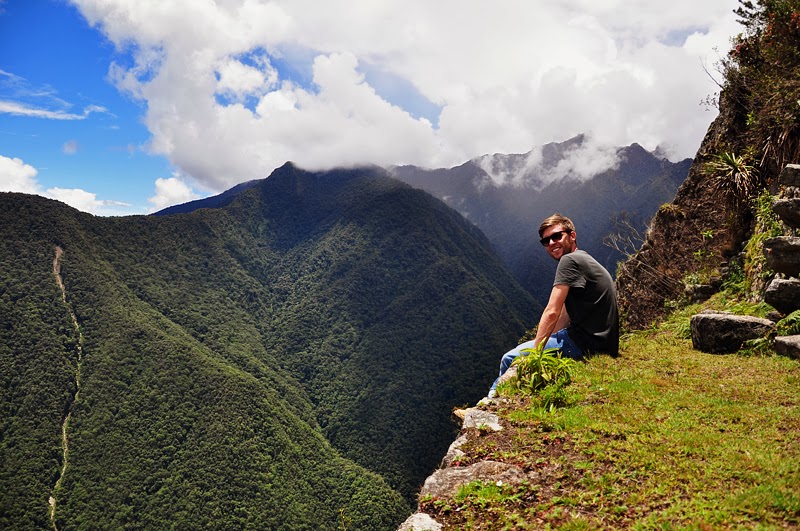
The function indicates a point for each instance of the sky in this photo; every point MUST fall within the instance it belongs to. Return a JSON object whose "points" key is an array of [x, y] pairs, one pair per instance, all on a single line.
{"points": [[122, 107]]}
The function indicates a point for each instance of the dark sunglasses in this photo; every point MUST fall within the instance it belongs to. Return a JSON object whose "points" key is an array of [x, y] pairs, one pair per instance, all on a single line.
{"points": [[555, 237]]}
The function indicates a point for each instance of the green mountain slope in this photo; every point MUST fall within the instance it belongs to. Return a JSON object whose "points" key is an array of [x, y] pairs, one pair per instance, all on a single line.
{"points": [[286, 361]]}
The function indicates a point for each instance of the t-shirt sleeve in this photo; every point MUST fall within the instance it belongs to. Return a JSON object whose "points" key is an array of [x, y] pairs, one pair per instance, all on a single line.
{"points": [[569, 272]]}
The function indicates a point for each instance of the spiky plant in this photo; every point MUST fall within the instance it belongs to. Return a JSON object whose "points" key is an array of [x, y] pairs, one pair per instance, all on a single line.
{"points": [[733, 176]]}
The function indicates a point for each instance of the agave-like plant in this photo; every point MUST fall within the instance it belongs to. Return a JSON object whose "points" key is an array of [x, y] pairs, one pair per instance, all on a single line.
{"points": [[732, 176]]}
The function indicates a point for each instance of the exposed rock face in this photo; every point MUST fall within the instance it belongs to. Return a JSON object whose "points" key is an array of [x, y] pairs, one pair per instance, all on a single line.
{"points": [[722, 333], [783, 295], [654, 275]]}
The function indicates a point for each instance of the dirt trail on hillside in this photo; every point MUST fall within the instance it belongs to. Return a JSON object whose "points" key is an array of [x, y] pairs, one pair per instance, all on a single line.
{"points": [[65, 422]]}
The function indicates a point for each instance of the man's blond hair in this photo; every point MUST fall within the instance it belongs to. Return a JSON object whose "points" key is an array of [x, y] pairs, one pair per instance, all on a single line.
{"points": [[556, 219]]}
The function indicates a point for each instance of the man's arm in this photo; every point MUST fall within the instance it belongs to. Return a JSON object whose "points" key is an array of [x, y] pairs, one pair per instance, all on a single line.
{"points": [[554, 317]]}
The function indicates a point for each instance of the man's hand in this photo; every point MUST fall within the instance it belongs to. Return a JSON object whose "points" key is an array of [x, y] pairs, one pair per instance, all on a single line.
{"points": [[554, 317]]}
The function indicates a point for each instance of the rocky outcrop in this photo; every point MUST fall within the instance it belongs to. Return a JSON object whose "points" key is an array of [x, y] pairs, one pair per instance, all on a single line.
{"points": [[720, 333], [675, 245], [445, 482]]}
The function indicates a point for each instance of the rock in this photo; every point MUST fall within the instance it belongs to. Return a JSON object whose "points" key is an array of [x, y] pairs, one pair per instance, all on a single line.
{"points": [[722, 332], [790, 175], [783, 295], [478, 418], [783, 255], [510, 373], [788, 210], [699, 292], [420, 522], [444, 483], [788, 346], [454, 452]]}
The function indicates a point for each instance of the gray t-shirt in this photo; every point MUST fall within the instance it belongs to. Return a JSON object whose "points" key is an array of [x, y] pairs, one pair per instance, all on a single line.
{"points": [[591, 303]]}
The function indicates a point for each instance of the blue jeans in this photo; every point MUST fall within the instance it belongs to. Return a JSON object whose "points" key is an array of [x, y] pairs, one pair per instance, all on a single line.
{"points": [[560, 340]]}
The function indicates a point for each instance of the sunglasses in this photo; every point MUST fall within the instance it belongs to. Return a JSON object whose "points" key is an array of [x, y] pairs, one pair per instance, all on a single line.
{"points": [[555, 237]]}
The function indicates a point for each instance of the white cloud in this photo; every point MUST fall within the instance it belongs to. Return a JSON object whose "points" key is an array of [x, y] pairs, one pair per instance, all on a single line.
{"points": [[84, 201], [507, 77], [23, 109], [16, 176], [171, 191], [70, 147]]}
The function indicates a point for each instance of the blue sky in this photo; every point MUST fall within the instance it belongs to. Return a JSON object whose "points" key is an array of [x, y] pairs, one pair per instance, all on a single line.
{"points": [[125, 107], [53, 62]]}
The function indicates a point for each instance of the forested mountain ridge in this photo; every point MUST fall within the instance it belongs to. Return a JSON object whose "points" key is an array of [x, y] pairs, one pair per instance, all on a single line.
{"points": [[286, 361]]}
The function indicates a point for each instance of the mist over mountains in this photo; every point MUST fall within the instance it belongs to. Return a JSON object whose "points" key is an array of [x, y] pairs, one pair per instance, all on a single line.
{"points": [[605, 190], [507, 197]]}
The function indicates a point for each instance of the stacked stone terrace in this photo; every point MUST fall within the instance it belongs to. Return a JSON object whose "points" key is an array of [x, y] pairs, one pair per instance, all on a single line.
{"points": [[720, 332], [783, 257]]}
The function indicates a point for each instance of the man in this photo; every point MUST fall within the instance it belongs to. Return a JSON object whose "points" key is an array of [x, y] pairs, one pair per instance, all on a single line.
{"points": [[581, 315]]}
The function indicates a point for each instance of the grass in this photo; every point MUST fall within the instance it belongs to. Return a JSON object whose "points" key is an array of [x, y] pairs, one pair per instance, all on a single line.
{"points": [[663, 437]]}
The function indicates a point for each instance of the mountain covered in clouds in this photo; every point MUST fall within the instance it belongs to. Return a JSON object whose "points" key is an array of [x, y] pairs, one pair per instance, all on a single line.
{"points": [[604, 190], [286, 360]]}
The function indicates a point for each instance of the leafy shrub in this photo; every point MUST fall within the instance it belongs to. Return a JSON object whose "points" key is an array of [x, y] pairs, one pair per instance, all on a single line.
{"points": [[789, 325], [544, 373]]}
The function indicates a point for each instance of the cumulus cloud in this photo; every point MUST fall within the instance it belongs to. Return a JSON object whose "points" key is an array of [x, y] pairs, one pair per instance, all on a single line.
{"points": [[171, 191], [84, 201], [236, 88], [16, 176]]}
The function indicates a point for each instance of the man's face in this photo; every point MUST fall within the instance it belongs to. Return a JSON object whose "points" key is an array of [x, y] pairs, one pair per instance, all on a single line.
{"points": [[558, 241]]}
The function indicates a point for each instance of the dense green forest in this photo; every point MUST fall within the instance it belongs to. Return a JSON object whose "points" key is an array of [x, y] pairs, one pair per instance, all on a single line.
{"points": [[286, 361]]}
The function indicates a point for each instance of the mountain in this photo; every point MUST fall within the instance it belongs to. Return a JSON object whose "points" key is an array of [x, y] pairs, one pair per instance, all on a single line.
{"points": [[289, 360], [507, 196]]}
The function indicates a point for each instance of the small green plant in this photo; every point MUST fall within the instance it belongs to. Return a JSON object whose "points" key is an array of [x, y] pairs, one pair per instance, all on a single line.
{"points": [[789, 325], [767, 225], [544, 373], [484, 493]]}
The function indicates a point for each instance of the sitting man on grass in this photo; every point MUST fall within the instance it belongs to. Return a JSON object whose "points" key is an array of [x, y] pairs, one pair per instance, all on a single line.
{"points": [[581, 315]]}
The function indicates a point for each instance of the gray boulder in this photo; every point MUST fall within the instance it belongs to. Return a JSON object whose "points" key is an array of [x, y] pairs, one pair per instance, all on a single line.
{"points": [[420, 522], [783, 294], [790, 175], [788, 346], [783, 255], [788, 210], [722, 332]]}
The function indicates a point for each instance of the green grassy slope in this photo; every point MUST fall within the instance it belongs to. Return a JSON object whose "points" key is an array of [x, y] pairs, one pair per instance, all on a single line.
{"points": [[663, 437]]}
